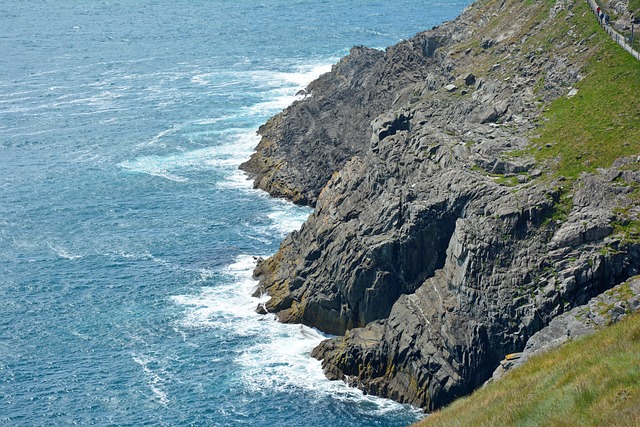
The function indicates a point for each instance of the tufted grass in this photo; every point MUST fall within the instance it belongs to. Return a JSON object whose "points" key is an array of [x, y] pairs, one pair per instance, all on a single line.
{"points": [[594, 381]]}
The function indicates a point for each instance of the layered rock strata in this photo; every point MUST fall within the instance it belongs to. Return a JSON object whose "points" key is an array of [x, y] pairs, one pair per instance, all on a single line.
{"points": [[434, 251], [601, 311]]}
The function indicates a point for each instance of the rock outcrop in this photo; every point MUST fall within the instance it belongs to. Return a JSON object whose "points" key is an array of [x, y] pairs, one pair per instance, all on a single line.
{"points": [[601, 311], [304, 145], [434, 250]]}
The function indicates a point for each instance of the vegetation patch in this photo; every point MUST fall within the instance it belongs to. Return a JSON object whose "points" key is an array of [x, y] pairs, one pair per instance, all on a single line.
{"points": [[562, 205], [601, 122], [627, 224], [592, 381], [627, 218], [505, 180]]}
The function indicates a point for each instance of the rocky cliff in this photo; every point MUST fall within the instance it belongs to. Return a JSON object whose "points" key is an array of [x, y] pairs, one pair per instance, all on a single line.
{"points": [[600, 312], [438, 243]]}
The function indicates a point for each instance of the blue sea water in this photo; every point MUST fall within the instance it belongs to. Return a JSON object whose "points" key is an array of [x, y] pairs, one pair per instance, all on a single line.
{"points": [[127, 233]]}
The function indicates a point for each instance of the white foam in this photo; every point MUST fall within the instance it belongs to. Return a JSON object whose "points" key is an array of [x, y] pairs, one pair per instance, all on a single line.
{"points": [[227, 156], [63, 253], [153, 167], [230, 306], [205, 274], [283, 360], [286, 218], [86, 156], [236, 180], [168, 137], [301, 76], [154, 380], [205, 79], [134, 256], [285, 86], [275, 104], [162, 134], [306, 73], [283, 363], [277, 356]]}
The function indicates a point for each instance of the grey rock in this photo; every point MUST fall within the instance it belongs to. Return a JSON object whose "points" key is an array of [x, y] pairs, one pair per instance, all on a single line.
{"points": [[430, 46], [336, 118], [487, 43], [430, 270], [605, 309], [470, 80]]}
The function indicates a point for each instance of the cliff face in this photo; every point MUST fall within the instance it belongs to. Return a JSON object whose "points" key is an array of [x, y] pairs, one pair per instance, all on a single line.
{"points": [[436, 247], [301, 147]]}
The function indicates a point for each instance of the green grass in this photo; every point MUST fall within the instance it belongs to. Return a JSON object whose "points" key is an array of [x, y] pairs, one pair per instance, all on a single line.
{"points": [[602, 122], [500, 179], [627, 224], [598, 125], [634, 7], [562, 205], [594, 381]]}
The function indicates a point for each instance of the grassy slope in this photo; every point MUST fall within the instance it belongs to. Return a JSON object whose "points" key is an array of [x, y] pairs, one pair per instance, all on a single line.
{"points": [[595, 127], [599, 124], [593, 381]]}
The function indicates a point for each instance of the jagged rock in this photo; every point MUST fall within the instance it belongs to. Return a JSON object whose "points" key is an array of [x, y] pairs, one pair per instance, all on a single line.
{"points": [[335, 119], [388, 124], [430, 46], [470, 80], [592, 214], [602, 310], [487, 43], [491, 113]]}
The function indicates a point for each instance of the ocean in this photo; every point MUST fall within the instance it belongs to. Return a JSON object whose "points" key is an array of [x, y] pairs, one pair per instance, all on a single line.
{"points": [[127, 233]]}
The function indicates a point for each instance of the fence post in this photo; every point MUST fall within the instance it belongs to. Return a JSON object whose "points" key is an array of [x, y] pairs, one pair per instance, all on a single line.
{"points": [[615, 36]]}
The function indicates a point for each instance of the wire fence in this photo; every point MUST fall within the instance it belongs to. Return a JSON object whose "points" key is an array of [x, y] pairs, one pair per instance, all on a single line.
{"points": [[616, 36]]}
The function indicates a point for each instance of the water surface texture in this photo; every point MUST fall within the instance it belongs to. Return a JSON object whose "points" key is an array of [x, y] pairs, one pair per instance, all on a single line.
{"points": [[127, 233]]}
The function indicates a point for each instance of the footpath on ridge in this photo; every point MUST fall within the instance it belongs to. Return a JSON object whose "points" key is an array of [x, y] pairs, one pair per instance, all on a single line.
{"points": [[616, 36]]}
